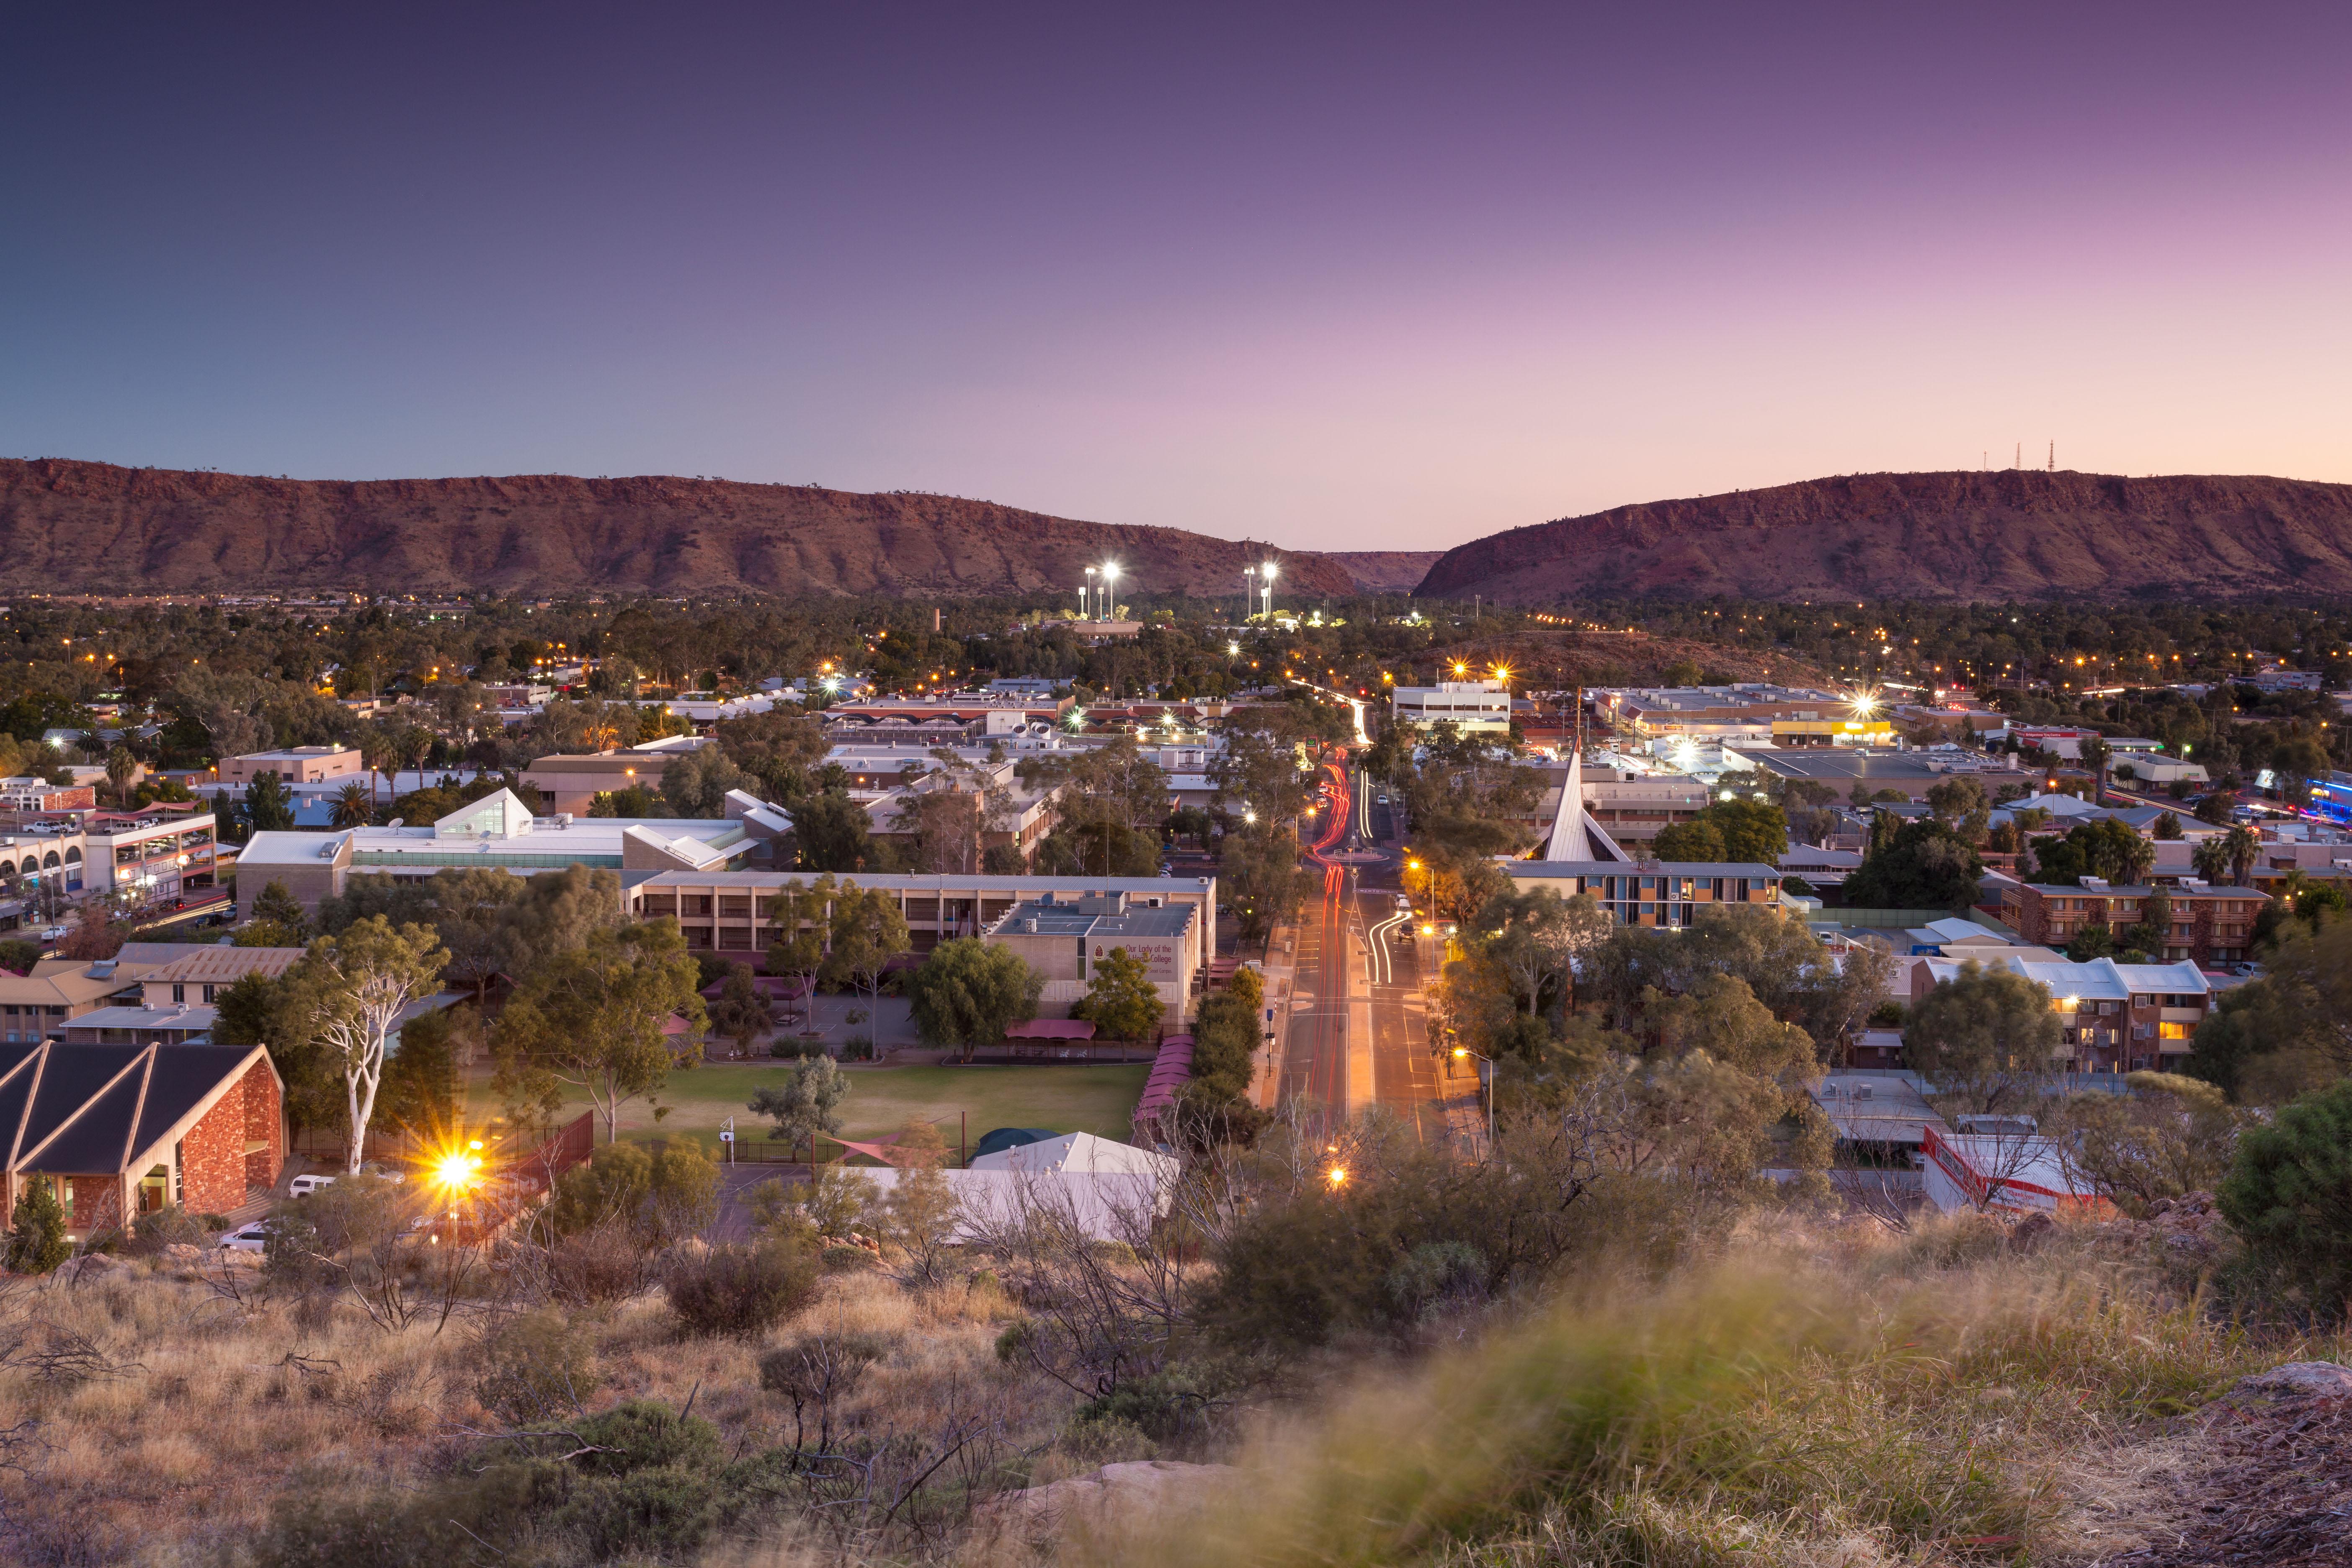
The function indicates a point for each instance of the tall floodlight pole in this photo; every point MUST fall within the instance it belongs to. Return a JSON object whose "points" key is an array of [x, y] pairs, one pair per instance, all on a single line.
{"points": [[1110, 590], [1086, 597], [1268, 570]]}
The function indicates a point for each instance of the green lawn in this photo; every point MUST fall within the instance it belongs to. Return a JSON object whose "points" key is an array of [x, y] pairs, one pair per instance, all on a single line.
{"points": [[1095, 1098]]}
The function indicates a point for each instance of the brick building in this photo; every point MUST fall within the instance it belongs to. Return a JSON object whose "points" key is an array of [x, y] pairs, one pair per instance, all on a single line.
{"points": [[2208, 925], [122, 1130], [2113, 1017]]}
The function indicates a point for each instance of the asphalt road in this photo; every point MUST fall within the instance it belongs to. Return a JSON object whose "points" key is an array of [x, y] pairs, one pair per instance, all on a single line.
{"points": [[1357, 1036]]}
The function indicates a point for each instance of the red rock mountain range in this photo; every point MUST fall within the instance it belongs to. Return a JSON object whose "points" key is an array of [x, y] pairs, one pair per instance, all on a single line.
{"points": [[69, 527], [2004, 534]]}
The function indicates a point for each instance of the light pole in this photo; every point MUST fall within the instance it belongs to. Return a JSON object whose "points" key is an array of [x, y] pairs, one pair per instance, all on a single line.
{"points": [[1086, 597], [1268, 570], [1110, 590], [1485, 1076]]}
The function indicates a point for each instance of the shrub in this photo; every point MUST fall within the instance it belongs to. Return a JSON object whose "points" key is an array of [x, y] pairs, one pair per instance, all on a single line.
{"points": [[536, 1366], [742, 1289], [37, 1241], [2285, 1198], [605, 1263], [171, 1225]]}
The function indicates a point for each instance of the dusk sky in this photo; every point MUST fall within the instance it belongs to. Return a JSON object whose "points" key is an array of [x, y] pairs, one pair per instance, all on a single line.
{"points": [[1342, 277]]}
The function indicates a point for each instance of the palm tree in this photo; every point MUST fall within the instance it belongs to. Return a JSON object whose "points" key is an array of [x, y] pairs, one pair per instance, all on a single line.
{"points": [[2211, 857], [354, 805], [2094, 757], [2135, 860], [2244, 844], [121, 765]]}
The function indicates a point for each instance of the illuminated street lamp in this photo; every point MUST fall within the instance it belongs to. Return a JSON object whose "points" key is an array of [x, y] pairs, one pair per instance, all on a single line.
{"points": [[1110, 590]]}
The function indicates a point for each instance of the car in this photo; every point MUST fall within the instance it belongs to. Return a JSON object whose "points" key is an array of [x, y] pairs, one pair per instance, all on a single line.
{"points": [[53, 933], [1404, 903], [2248, 970], [247, 1238], [303, 1186]]}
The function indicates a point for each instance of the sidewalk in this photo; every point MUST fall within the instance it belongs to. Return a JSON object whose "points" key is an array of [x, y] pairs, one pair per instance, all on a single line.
{"points": [[1281, 971]]}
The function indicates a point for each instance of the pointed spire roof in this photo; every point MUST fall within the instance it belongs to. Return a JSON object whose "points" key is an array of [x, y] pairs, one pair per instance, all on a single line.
{"points": [[1574, 835]]}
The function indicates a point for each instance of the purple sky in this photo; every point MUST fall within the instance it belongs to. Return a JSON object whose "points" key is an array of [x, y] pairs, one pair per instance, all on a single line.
{"points": [[1347, 278]]}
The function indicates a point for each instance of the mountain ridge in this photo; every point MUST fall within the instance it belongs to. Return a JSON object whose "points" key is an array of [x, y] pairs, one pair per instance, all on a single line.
{"points": [[1964, 536], [70, 526]]}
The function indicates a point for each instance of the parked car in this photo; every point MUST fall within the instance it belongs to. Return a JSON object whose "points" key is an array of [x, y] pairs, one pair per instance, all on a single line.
{"points": [[383, 1171], [250, 1239], [303, 1186], [53, 933]]}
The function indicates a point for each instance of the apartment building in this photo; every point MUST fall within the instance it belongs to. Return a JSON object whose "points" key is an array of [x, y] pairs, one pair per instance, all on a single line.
{"points": [[295, 764], [1746, 710], [2113, 1017], [1670, 894], [2209, 924], [32, 794], [732, 914]]}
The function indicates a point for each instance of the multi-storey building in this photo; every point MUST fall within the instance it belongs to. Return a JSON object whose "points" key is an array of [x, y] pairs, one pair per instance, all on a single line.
{"points": [[2113, 1017], [1480, 706], [734, 914], [2208, 925], [295, 764], [1668, 894], [166, 850]]}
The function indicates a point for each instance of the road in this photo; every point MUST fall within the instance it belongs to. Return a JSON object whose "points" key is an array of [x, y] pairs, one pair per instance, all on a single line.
{"points": [[1358, 1035]]}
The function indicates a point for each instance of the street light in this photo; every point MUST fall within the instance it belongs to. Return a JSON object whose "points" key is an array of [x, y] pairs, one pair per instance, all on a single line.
{"points": [[1086, 597], [1488, 1074], [1111, 589]]}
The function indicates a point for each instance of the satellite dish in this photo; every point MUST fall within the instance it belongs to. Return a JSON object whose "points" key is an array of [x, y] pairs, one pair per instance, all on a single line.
{"points": [[395, 822]]}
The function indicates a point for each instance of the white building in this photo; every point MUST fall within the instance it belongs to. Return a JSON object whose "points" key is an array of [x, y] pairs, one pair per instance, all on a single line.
{"points": [[1473, 705]]}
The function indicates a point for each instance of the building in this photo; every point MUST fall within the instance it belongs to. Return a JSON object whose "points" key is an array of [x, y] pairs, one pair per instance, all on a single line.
{"points": [[1747, 711], [296, 764], [1632, 809], [731, 914], [1665, 894], [41, 873], [2014, 1172], [1065, 941], [32, 795], [2113, 1017], [970, 713], [176, 1025], [117, 1131], [201, 975], [569, 786], [2210, 924], [161, 852], [1481, 706], [1911, 773], [498, 830]]}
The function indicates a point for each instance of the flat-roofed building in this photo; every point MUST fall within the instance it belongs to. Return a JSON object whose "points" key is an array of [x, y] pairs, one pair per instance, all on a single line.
{"points": [[1067, 941], [1476, 706], [734, 914], [2208, 924], [499, 831], [158, 852], [1670, 894], [295, 764]]}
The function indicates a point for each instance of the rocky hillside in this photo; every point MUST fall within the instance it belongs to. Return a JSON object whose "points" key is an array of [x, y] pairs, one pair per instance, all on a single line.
{"points": [[2021, 534], [76, 527], [1386, 571]]}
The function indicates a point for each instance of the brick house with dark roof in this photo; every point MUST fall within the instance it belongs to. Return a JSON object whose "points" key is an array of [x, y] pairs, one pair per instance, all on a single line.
{"points": [[122, 1130]]}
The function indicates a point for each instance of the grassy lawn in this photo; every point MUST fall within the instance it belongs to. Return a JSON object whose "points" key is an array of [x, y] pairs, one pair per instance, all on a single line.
{"points": [[1095, 1099]]}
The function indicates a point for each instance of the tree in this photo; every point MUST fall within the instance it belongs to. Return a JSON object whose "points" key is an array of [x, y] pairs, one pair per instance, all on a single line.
{"points": [[2215, 808], [869, 931], [360, 984], [2094, 757], [969, 991], [2167, 828], [276, 920], [807, 1102], [1537, 938], [353, 807], [1259, 875], [2244, 847], [1120, 999], [95, 934], [2169, 1137], [695, 782], [37, 1230], [1920, 865], [2210, 856], [122, 767], [1696, 841], [422, 1089], [595, 1018], [742, 1011], [831, 830], [802, 918], [2154, 932], [1988, 1035], [269, 804], [1754, 831], [553, 912], [2285, 1197]]}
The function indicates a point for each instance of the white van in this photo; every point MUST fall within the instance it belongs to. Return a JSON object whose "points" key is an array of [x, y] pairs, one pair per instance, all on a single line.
{"points": [[303, 1186]]}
